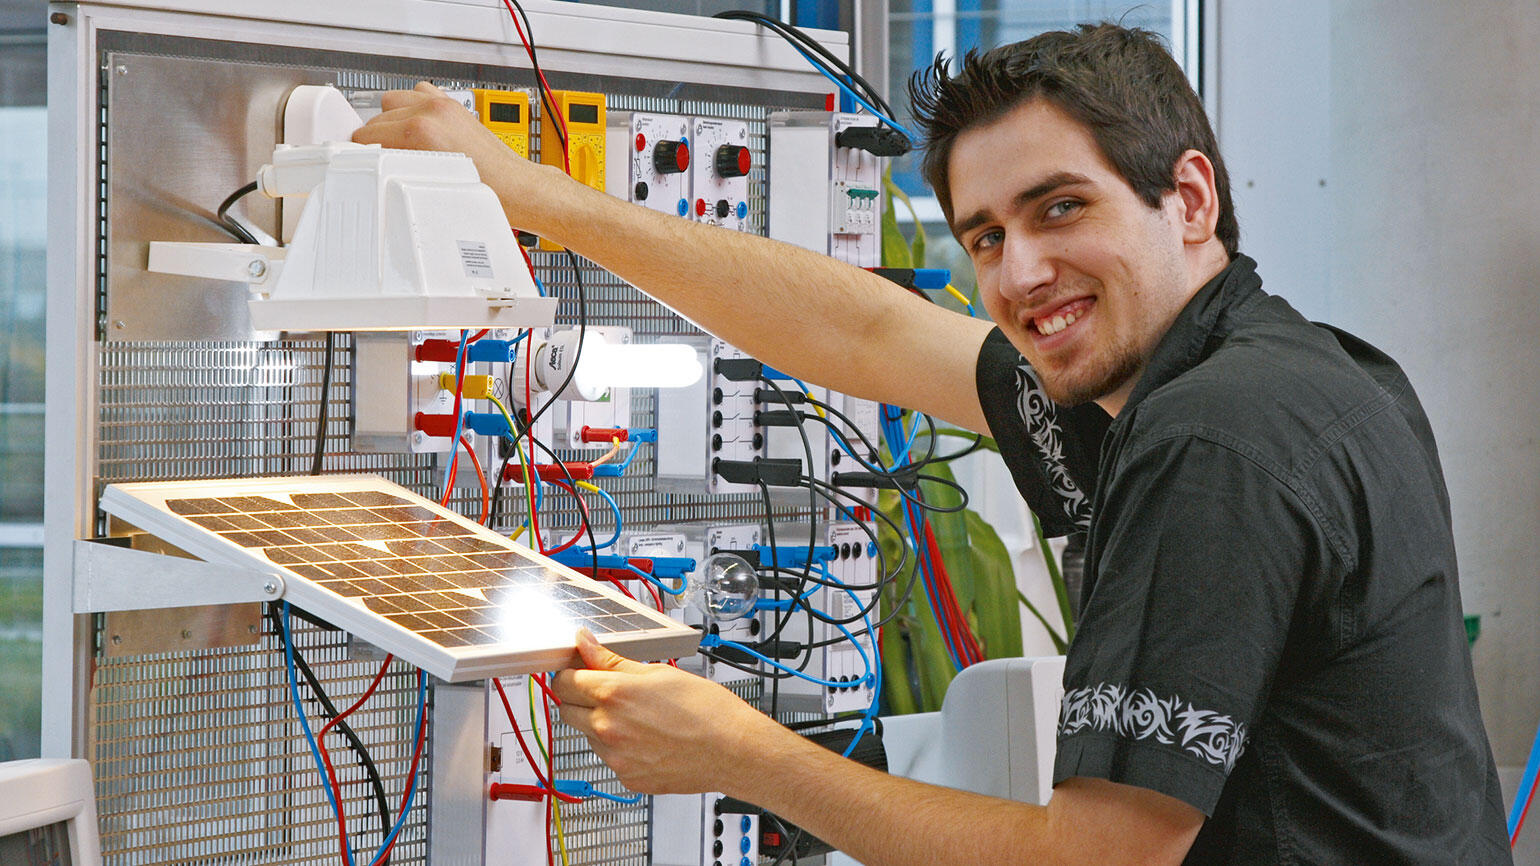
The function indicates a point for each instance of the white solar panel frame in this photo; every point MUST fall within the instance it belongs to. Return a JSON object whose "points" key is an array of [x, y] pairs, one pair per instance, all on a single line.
{"points": [[145, 506]]}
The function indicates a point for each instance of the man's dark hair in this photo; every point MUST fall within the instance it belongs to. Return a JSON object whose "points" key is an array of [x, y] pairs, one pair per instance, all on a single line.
{"points": [[1118, 81]]}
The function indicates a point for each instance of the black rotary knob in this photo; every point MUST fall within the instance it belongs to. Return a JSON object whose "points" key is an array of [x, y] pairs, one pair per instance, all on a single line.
{"points": [[723, 209], [670, 157], [732, 160]]}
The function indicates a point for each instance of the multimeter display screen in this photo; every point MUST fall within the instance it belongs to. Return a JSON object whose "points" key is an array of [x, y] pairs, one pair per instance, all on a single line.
{"points": [[504, 112], [579, 112]]}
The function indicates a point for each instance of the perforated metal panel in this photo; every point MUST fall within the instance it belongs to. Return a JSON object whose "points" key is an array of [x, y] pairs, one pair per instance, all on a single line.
{"points": [[198, 755]]}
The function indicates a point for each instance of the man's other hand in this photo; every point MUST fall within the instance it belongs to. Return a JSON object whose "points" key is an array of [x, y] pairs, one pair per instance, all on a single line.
{"points": [[662, 730]]}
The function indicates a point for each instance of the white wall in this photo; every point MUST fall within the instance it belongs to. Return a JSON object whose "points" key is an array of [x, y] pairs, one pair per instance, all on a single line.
{"points": [[1422, 119]]}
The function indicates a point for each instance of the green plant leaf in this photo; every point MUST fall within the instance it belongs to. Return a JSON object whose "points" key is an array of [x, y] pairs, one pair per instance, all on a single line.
{"points": [[998, 616], [915, 251], [1055, 577], [895, 250], [1053, 633]]}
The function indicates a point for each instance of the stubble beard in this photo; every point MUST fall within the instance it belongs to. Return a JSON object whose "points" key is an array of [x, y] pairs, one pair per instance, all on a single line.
{"points": [[1106, 375]]}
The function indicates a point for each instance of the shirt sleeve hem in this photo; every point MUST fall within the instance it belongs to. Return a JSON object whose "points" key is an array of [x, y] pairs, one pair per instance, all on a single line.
{"points": [[1145, 765]]}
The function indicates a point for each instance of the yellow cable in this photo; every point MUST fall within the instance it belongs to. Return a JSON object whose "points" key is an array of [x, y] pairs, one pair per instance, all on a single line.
{"points": [[816, 408], [534, 725], [963, 299], [503, 409], [561, 835], [586, 486]]}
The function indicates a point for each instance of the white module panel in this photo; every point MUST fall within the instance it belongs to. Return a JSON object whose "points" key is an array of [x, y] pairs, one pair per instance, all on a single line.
{"points": [[825, 198], [511, 823], [854, 565], [647, 543], [855, 199], [727, 537], [864, 415], [691, 830], [649, 160], [719, 172]]}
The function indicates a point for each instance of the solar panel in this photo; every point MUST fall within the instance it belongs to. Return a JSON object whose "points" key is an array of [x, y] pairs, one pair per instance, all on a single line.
{"points": [[446, 594]]}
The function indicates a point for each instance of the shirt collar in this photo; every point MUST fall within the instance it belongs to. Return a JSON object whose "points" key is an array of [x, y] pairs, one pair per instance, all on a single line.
{"points": [[1207, 315]]}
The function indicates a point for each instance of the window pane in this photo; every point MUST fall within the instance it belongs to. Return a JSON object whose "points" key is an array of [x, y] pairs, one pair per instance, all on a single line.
{"points": [[918, 29], [23, 200]]}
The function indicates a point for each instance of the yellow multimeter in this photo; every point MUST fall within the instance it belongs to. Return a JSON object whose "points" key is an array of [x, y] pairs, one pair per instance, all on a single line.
{"points": [[583, 115], [506, 114]]}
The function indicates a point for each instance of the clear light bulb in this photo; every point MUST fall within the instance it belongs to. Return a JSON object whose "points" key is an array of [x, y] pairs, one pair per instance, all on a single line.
{"points": [[723, 588]]}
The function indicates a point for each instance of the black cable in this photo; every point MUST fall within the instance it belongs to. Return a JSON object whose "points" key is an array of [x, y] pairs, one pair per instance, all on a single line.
{"points": [[903, 473], [789, 846], [354, 743], [593, 544], [550, 109], [229, 223], [793, 34], [904, 596], [812, 533], [326, 386]]}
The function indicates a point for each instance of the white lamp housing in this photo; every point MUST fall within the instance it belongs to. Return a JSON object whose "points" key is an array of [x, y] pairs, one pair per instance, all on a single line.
{"points": [[394, 239]]}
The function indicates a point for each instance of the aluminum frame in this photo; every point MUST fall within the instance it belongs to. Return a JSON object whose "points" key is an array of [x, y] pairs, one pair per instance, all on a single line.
{"points": [[588, 39]]}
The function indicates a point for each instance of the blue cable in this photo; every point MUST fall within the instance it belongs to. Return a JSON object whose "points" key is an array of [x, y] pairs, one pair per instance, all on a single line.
{"points": [[454, 444], [713, 640], [871, 709], [654, 581], [315, 750], [1526, 785], [851, 93], [580, 788], [613, 507], [411, 794]]}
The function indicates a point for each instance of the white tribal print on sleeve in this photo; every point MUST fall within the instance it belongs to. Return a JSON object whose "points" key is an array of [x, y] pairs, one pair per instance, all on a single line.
{"points": [[1037, 413], [1138, 714]]}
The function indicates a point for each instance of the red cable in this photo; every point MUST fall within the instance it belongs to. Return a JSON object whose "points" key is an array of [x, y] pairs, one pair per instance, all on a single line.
{"points": [[534, 515], [454, 447], [582, 508], [331, 774], [486, 498], [478, 335], [550, 756], [411, 782], [519, 735], [1522, 815], [967, 643], [545, 86]]}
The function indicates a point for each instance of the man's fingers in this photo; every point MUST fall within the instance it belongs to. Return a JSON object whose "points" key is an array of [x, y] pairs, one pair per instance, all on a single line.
{"points": [[393, 99], [577, 716], [429, 88], [597, 657]]}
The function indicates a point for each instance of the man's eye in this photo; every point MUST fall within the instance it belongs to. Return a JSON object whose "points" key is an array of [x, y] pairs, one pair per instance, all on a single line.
{"points": [[1061, 209], [988, 239]]}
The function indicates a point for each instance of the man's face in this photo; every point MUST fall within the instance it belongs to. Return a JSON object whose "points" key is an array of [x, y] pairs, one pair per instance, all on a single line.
{"points": [[1080, 274]]}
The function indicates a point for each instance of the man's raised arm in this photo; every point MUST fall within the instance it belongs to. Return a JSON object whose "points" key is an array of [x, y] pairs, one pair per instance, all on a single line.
{"points": [[801, 312]]}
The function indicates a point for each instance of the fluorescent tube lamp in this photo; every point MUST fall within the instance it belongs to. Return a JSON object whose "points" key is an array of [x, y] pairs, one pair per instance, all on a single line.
{"points": [[604, 364]]}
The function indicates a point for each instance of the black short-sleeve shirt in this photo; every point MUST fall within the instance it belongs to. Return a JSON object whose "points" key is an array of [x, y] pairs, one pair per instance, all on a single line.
{"points": [[1270, 624]]}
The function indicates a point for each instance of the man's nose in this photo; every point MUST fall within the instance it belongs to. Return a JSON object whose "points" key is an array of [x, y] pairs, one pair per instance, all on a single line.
{"points": [[1025, 266]]}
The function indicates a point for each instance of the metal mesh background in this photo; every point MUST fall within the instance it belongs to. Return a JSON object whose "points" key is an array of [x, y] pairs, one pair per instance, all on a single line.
{"points": [[198, 755]]}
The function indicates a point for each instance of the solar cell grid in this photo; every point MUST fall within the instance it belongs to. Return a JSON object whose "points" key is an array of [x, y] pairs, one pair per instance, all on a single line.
{"points": [[490, 602]]}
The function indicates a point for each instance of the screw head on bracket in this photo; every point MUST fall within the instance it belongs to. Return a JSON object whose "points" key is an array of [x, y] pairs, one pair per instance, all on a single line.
{"points": [[256, 269], [270, 587]]}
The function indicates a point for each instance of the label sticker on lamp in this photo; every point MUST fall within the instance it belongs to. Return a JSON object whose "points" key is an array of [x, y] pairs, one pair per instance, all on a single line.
{"points": [[476, 260]]}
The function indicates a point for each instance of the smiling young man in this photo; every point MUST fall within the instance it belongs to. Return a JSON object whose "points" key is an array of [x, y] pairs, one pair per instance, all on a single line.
{"points": [[1270, 665]]}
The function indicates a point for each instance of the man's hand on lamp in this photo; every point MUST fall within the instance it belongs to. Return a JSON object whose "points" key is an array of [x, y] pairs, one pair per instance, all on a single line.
{"points": [[424, 118], [662, 730]]}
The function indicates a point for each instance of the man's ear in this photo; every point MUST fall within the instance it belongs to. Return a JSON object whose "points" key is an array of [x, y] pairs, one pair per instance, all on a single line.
{"points": [[1197, 196]]}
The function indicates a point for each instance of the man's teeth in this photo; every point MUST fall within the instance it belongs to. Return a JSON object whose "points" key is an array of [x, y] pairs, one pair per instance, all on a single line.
{"points": [[1055, 325]]}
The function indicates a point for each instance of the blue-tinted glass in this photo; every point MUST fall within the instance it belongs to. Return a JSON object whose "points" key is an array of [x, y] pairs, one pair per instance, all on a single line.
{"points": [[23, 198]]}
